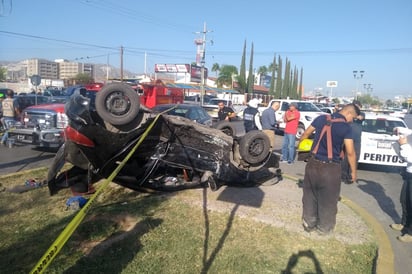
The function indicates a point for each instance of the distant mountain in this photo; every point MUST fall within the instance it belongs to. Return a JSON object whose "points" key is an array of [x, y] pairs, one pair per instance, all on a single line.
{"points": [[101, 72]]}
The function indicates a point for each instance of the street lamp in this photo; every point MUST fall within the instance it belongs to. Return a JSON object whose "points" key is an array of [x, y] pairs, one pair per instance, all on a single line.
{"points": [[368, 88], [358, 75]]}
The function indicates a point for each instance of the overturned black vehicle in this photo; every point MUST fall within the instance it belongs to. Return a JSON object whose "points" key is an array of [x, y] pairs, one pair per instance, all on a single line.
{"points": [[173, 153]]}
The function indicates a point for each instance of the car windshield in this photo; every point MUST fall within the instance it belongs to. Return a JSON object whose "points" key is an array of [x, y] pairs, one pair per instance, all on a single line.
{"points": [[381, 126]]}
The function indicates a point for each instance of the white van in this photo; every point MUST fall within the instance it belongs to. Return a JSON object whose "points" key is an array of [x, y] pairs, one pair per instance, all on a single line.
{"points": [[308, 112]]}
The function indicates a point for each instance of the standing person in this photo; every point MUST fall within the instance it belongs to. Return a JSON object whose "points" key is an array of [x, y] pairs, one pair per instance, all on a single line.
{"points": [[251, 116], [405, 226], [269, 122], [291, 118], [321, 183], [225, 113], [357, 134], [10, 113]]}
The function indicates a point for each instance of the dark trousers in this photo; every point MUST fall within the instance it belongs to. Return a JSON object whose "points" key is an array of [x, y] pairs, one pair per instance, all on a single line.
{"points": [[321, 189], [406, 202], [346, 172]]}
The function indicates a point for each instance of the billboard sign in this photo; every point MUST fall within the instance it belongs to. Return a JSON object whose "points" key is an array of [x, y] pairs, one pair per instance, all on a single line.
{"points": [[196, 74], [331, 84], [172, 68]]}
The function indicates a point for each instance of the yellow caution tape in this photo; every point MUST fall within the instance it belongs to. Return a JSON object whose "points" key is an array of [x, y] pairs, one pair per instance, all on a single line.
{"points": [[58, 244]]}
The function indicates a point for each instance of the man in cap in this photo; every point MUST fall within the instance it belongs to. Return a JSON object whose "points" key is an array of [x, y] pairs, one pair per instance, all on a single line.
{"points": [[291, 118], [251, 116]]}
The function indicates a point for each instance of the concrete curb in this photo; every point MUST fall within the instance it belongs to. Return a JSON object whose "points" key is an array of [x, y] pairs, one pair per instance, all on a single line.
{"points": [[385, 259]]}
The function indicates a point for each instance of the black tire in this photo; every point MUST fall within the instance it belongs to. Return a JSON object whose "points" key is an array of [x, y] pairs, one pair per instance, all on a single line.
{"points": [[254, 147], [117, 104], [301, 130], [226, 127]]}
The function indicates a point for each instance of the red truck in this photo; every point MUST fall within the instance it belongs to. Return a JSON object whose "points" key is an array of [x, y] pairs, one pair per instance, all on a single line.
{"points": [[153, 94]]}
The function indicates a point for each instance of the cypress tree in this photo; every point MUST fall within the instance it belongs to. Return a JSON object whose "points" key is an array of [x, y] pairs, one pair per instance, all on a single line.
{"points": [[250, 78], [272, 80], [301, 84], [278, 91], [286, 80], [242, 72]]}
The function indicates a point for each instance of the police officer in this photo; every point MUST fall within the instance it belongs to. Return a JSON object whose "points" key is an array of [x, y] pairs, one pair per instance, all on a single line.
{"points": [[10, 113], [225, 113], [321, 184], [251, 116]]}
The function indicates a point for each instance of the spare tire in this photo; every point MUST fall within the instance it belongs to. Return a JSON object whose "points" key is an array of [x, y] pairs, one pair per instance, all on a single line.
{"points": [[226, 127], [117, 104], [254, 147]]}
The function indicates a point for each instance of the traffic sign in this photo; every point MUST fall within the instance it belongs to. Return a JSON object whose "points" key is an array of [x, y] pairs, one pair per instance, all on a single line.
{"points": [[35, 80]]}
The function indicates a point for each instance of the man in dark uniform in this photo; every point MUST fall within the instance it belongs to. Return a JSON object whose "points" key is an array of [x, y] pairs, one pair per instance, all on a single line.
{"points": [[357, 134], [225, 113], [321, 184]]}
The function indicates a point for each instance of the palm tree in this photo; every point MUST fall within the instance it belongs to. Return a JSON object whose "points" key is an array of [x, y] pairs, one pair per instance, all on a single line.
{"points": [[262, 71], [226, 74], [216, 68]]}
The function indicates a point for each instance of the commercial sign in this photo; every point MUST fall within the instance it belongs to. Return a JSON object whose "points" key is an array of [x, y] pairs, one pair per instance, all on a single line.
{"points": [[196, 74], [165, 68], [331, 84]]}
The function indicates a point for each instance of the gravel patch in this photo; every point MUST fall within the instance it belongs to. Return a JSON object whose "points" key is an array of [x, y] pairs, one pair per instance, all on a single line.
{"points": [[278, 205]]}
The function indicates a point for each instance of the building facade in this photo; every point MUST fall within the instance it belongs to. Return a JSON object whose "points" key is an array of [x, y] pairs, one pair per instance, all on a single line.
{"points": [[45, 68]]}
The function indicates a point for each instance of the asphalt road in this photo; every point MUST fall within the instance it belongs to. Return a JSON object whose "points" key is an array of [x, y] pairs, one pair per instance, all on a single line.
{"points": [[377, 190], [21, 158]]}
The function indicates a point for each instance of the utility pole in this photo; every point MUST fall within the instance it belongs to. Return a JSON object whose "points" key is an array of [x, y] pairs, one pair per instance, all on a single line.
{"points": [[121, 63], [202, 52]]}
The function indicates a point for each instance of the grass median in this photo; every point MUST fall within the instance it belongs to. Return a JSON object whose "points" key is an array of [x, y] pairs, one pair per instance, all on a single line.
{"points": [[133, 232]]}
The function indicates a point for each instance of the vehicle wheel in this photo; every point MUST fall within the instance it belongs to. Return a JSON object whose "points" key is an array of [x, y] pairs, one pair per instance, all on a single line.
{"points": [[117, 104], [226, 127], [254, 147], [301, 130]]}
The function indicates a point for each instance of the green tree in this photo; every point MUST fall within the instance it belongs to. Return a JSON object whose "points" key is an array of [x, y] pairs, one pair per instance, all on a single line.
{"points": [[83, 78], [3, 74], [241, 79], [216, 68], [300, 92], [273, 68], [251, 76], [279, 81], [226, 74], [262, 71], [286, 80]]}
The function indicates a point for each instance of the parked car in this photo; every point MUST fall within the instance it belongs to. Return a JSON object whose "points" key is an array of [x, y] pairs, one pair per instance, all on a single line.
{"points": [[308, 112], [168, 152], [379, 141], [329, 110], [192, 112], [212, 107]]}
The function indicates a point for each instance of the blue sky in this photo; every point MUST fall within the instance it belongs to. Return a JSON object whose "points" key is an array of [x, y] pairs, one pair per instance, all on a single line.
{"points": [[328, 39]]}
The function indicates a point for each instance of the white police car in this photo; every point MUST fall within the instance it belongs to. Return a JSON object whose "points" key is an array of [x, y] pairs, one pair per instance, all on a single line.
{"points": [[380, 141]]}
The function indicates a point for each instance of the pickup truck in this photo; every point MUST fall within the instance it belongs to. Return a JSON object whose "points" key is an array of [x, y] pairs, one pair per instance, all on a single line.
{"points": [[308, 112], [42, 126]]}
